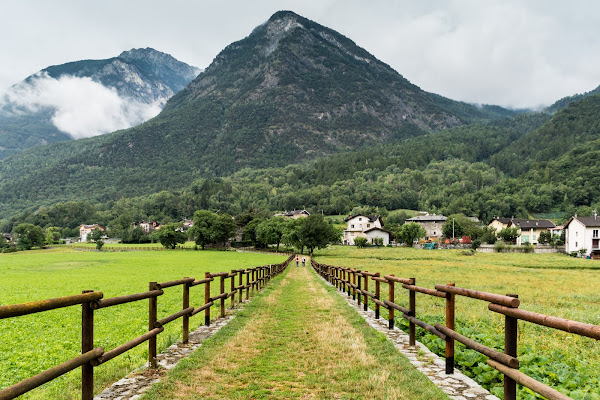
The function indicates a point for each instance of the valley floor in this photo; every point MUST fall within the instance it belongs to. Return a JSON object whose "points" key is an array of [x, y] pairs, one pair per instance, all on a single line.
{"points": [[298, 339]]}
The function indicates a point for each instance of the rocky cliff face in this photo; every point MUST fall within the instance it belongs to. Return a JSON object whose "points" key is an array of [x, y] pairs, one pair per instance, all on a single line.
{"points": [[90, 97]]}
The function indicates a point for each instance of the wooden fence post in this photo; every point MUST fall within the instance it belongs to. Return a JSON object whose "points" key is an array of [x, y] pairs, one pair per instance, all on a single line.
{"points": [[247, 284], [222, 298], [358, 292], [366, 298], [152, 317], [450, 325], [185, 321], [353, 287], [87, 344], [232, 276], [412, 306], [377, 296], [391, 309], [207, 299], [510, 348], [240, 283]]}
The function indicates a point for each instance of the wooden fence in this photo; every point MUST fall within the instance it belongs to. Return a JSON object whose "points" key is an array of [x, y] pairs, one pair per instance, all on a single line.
{"points": [[357, 284], [256, 278]]}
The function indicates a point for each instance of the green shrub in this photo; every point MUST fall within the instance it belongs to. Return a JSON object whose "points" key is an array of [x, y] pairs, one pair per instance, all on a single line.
{"points": [[499, 246], [360, 242]]}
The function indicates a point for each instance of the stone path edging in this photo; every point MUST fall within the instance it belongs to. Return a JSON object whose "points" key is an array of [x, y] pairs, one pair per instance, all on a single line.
{"points": [[457, 386], [137, 382]]}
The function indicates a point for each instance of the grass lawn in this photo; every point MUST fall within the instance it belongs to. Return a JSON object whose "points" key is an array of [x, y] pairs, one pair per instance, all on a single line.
{"points": [[296, 340], [552, 284], [33, 343]]}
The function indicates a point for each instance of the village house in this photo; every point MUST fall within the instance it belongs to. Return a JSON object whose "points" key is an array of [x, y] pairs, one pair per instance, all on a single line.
{"points": [[368, 226], [431, 223], [294, 214], [85, 230], [147, 226], [186, 224], [583, 233], [530, 229], [499, 223]]}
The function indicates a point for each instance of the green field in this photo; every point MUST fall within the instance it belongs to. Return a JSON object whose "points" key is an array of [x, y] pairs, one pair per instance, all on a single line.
{"points": [[33, 343], [551, 284]]}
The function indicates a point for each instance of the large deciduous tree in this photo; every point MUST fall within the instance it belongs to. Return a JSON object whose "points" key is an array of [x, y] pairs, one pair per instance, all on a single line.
{"points": [[271, 231], [509, 235], [411, 232], [28, 236], [170, 235], [202, 232], [210, 227], [317, 233]]}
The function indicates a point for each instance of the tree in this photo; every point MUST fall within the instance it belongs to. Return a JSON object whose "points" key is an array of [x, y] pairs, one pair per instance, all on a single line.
{"points": [[3, 242], [28, 236], [378, 241], [271, 231], [317, 233], [249, 234], [291, 235], [170, 235], [52, 235], [96, 235], [411, 232], [545, 237], [212, 228], [202, 232], [488, 235], [360, 242], [509, 235], [223, 229], [99, 244]]}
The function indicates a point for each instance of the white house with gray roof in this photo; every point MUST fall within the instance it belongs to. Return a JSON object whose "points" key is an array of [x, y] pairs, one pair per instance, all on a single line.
{"points": [[368, 226], [583, 233]]}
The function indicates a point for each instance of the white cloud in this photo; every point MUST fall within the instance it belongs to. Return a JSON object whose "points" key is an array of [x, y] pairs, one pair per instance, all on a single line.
{"points": [[82, 107]]}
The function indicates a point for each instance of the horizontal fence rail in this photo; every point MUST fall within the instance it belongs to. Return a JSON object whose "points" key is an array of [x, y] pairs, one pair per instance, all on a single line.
{"points": [[256, 279], [356, 283]]}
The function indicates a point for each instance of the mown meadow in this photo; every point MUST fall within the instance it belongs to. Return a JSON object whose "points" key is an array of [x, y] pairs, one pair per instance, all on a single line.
{"points": [[33, 343], [552, 284]]}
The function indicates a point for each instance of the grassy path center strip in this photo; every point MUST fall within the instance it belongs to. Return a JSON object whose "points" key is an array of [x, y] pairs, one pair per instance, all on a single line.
{"points": [[296, 340]]}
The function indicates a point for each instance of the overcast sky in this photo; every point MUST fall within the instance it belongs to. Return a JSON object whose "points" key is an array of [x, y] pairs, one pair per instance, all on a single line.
{"points": [[513, 53]]}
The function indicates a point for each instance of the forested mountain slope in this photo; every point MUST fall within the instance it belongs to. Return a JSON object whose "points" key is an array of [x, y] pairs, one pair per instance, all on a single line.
{"points": [[291, 91]]}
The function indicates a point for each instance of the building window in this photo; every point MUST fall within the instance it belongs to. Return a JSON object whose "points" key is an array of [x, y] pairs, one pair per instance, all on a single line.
{"points": [[360, 219], [595, 233], [351, 226], [368, 225], [360, 226], [576, 245]]}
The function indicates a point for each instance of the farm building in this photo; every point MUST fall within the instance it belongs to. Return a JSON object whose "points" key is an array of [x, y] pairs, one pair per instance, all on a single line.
{"points": [[583, 233], [431, 223], [85, 230], [530, 229], [294, 214], [368, 226], [499, 223]]}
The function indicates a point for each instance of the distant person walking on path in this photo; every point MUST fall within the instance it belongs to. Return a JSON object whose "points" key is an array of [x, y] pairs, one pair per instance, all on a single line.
{"points": [[303, 261], [297, 259]]}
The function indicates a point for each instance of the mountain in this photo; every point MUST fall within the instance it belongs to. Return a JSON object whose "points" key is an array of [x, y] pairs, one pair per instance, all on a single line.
{"points": [[565, 101], [291, 91], [52, 105]]}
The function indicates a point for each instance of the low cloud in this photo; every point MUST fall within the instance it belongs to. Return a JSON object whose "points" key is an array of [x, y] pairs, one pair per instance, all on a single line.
{"points": [[81, 107]]}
